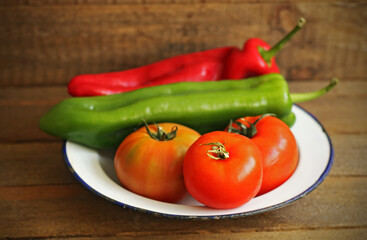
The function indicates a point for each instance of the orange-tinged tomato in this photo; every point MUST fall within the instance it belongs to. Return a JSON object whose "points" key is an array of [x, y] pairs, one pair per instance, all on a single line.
{"points": [[278, 147], [149, 163]]}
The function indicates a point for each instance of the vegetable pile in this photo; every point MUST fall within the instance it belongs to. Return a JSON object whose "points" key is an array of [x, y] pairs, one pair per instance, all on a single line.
{"points": [[215, 123]]}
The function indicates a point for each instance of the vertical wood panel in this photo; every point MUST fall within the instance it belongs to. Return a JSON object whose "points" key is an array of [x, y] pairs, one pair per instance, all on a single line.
{"points": [[50, 43]]}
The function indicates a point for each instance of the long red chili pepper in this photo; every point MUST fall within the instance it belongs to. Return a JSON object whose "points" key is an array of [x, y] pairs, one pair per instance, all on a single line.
{"points": [[198, 66], [256, 58]]}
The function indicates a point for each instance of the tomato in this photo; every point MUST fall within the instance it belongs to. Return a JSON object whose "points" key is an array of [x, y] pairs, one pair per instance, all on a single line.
{"points": [[149, 163], [278, 147], [223, 170]]}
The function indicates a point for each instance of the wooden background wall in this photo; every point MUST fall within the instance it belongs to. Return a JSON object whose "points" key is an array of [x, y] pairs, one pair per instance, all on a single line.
{"points": [[46, 42]]}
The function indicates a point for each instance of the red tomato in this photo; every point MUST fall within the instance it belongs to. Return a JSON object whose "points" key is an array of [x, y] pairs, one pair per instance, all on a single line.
{"points": [[152, 167], [278, 148], [223, 170]]}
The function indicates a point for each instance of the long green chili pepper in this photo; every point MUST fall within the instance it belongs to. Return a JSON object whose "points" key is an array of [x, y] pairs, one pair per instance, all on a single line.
{"points": [[103, 122]]}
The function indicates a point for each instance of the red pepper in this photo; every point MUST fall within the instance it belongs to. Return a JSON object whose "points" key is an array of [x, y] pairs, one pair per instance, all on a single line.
{"points": [[256, 58], [199, 66]]}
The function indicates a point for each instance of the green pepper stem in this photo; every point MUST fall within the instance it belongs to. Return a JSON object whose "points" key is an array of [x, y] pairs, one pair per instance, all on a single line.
{"points": [[268, 54], [303, 97]]}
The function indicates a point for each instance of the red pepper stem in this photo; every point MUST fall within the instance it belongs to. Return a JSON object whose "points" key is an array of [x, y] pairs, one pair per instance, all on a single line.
{"points": [[268, 54], [303, 97]]}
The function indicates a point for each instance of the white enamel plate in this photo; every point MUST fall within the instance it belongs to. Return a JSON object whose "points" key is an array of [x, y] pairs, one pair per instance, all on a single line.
{"points": [[95, 170]]}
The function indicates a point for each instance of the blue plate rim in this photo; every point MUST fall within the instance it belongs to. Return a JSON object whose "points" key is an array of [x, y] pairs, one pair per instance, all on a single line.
{"points": [[224, 216]]}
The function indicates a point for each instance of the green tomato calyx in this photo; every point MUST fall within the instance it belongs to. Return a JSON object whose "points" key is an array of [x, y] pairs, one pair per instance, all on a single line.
{"points": [[242, 129], [160, 134]]}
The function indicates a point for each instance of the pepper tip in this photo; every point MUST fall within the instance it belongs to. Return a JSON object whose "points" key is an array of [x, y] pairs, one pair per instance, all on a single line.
{"points": [[301, 22], [334, 81]]}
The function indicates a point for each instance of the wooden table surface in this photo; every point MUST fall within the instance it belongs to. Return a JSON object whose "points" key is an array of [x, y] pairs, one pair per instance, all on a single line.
{"points": [[48, 42], [39, 197]]}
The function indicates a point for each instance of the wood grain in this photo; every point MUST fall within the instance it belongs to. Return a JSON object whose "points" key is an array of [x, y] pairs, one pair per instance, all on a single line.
{"points": [[35, 183], [70, 210], [335, 234], [132, 2], [29, 164], [48, 43], [39, 198]]}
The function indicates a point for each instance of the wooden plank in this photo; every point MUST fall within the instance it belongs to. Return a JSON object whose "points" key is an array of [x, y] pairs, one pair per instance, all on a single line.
{"points": [[342, 110], [134, 2], [31, 96], [70, 210], [329, 234], [20, 128], [336, 110], [33, 164], [51, 43], [350, 155]]}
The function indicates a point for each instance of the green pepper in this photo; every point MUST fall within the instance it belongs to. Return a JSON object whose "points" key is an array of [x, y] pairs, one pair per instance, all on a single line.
{"points": [[104, 121], [290, 119]]}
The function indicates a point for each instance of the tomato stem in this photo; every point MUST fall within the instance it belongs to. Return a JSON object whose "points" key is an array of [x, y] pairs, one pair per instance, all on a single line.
{"points": [[242, 129], [161, 135], [218, 151]]}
